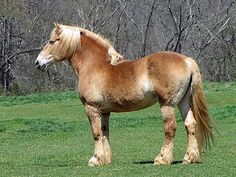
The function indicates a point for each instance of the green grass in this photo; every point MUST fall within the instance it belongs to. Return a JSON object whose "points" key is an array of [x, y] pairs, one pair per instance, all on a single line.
{"points": [[49, 135]]}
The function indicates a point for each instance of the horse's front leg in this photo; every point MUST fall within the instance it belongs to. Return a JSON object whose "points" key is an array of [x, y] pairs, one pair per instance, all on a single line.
{"points": [[166, 154], [100, 129]]}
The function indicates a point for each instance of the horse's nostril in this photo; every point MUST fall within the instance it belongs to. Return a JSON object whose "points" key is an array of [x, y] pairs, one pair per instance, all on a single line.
{"points": [[36, 62]]}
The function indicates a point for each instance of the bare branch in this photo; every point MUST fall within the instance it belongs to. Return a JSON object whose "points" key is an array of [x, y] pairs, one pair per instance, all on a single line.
{"points": [[106, 20], [22, 52], [144, 46], [213, 36], [131, 19]]}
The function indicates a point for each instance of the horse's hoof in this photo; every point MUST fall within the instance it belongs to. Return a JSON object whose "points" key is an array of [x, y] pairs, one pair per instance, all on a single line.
{"points": [[185, 162], [191, 157], [94, 161], [160, 160]]}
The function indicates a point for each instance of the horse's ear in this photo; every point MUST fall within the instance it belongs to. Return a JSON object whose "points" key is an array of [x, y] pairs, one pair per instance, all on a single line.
{"points": [[57, 27], [82, 32]]}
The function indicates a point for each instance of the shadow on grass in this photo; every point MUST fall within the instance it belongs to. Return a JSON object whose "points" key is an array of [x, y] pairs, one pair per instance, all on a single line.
{"points": [[144, 162], [152, 162]]}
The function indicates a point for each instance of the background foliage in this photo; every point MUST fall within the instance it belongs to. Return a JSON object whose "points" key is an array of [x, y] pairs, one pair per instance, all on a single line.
{"points": [[202, 29]]}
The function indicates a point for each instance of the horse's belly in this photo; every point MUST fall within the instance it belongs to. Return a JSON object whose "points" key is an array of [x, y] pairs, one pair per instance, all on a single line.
{"points": [[126, 105], [133, 107]]}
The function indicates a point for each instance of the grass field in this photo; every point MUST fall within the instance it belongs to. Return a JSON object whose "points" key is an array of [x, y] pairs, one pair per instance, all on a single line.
{"points": [[49, 135]]}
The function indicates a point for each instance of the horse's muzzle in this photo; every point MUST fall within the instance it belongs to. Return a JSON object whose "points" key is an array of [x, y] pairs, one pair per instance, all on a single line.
{"points": [[42, 68], [43, 62]]}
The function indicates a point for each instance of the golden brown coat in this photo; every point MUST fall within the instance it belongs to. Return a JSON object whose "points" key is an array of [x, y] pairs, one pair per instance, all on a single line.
{"points": [[109, 83]]}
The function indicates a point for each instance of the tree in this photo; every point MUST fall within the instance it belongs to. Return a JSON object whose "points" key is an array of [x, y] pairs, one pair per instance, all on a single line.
{"points": [[202, 29]]}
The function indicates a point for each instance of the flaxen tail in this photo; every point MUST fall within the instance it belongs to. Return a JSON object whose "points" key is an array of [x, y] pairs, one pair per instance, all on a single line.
{"points": [[204, 130]]}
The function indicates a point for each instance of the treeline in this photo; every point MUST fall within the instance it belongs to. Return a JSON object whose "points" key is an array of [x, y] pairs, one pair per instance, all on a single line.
{"points": [[202, 29]]}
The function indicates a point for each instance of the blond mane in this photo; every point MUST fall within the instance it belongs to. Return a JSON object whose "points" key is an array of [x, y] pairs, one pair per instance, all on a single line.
{"points": [[69, 38], [70, 41], [99, 39], [113, 55]]}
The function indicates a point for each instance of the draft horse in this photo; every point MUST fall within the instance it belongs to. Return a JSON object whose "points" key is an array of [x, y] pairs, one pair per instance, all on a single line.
{"points": [[109, 83]]}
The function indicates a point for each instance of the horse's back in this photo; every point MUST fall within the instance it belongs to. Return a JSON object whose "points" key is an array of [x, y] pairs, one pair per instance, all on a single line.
{"points": [[165, 60]]}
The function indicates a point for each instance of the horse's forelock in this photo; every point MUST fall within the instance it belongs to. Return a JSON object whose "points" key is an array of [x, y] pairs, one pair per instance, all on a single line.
{"points": [[70, 39]]}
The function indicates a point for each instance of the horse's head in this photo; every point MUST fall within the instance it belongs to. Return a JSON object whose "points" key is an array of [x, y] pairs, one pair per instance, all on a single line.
{"points": [[63, 43]]}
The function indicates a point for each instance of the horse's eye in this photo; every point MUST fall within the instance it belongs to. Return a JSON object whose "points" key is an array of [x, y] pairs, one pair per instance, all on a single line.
{"points": [[51, 42]]}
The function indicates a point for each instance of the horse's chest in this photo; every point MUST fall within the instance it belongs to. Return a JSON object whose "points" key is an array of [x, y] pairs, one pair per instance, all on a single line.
{"points": [[91, 93]]}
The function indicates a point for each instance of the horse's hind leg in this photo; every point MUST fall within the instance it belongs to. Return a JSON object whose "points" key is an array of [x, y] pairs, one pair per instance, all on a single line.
{"points": [[100, 129], [192, 154], [166, 154]]}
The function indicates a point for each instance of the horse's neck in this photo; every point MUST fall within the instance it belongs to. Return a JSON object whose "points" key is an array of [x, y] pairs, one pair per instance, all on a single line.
{"points": [[89, 56]]}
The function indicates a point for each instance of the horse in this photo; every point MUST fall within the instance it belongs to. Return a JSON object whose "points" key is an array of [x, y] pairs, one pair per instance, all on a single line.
{"points": [[109, 83]]}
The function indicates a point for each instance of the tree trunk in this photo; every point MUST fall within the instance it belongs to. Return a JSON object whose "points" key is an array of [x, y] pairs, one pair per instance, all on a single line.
{"points": [[5, 67]]}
